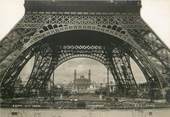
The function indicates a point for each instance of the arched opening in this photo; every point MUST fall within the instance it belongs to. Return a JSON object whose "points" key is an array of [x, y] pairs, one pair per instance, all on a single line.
{"points": [[65, 72], [81, 78], [56, 49]]}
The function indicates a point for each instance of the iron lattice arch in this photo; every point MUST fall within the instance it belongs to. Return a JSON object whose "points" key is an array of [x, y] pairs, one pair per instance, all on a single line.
{"points": [[54, 50], [123, 26]]}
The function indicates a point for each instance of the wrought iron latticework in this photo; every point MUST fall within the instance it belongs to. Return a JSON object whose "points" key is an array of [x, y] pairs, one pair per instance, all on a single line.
{"points": [[111, 32]]}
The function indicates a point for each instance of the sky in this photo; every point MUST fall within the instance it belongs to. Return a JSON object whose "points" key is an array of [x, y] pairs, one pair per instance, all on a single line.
{"points": [[155, 13]]}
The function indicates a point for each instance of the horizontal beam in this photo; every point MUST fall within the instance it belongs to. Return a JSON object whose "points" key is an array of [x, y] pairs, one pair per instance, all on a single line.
{"points": [[83, 6]]}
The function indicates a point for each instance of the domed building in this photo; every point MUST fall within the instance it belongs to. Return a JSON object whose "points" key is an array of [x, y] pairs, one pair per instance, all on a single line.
{"points": [[82, 84]]}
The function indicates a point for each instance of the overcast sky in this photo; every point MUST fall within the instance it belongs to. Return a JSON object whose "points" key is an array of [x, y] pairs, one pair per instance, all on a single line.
{"points": [[154, 12]]}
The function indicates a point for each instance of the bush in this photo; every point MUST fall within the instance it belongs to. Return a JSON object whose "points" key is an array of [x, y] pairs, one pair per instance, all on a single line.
{"points": [[168, 96], [81, 105]]}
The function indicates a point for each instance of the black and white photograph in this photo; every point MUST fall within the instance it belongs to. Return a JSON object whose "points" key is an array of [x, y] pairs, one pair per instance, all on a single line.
{"points": [[84, 58]]}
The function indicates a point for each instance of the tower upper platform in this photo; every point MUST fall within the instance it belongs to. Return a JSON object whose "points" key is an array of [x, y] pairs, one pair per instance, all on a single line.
{"points": [[83, 5]]}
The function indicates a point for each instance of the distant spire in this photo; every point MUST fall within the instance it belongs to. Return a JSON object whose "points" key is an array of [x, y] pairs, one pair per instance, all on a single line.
{"points": [[108, 76], [108, 85], [75, 77], [75, 74], [89, 74]]}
